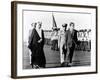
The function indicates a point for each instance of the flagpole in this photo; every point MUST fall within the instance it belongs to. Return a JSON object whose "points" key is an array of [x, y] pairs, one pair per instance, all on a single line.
{"points": [[54, 21]]}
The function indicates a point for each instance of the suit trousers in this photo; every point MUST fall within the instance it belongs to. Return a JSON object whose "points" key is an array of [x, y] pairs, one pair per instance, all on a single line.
{"points": [[71, 52]]}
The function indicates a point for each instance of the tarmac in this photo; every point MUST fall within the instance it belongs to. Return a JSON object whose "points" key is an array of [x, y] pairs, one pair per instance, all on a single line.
{"points": [[80, 58]]}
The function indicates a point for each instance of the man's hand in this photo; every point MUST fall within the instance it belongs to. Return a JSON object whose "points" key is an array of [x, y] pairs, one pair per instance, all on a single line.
{"points": [[39, 41], [65, 47]]}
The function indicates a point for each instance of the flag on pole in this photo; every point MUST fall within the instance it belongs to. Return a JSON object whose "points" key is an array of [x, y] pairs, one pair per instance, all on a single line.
{"points": [[54, 22]]}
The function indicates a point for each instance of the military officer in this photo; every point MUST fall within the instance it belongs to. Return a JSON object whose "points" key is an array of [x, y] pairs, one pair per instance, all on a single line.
{"points": [[61, 44]]}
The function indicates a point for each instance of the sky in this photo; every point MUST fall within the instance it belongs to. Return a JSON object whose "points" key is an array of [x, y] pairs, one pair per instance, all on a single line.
{"points": [[81, 20]]}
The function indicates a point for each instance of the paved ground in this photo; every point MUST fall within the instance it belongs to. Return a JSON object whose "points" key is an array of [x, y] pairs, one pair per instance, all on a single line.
{"points": [[80, 58]]}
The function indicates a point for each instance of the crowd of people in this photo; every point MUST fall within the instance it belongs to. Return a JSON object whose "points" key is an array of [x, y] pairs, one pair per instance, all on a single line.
{"points": [[83, 36], [65, 41]]}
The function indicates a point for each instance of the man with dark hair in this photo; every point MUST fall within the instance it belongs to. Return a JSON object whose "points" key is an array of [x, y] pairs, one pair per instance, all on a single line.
{"points": [[71, 42], [36, 44]]}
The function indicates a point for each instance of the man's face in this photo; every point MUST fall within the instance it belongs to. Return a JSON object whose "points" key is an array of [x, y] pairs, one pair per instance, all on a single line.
{"points": [[64, 28], [39, 25], [71, 27], [34, 25]]}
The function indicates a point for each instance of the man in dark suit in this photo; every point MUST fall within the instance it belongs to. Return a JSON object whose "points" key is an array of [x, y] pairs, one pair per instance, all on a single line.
{"points": [[71, 42]]}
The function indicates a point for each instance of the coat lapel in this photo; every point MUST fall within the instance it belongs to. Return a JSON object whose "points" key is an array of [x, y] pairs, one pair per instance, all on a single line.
{"points": [[37, 34], [73, 33]]}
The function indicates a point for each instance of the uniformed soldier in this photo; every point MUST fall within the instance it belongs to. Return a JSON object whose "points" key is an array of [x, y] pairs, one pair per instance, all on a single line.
{"points": [[61, 44], [54, 39]]}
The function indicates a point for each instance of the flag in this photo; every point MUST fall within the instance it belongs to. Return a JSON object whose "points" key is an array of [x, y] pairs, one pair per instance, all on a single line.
{"points": [[54, 22]]}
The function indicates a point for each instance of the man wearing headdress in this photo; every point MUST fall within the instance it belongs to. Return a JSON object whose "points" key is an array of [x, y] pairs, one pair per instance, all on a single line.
{"points": [[36, 45]]}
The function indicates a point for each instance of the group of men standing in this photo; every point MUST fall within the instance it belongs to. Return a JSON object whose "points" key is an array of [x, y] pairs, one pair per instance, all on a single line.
{"points": [[67, 40]]}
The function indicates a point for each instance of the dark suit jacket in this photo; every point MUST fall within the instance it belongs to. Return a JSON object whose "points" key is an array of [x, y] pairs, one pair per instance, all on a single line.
{"points": [[71, 38], [34, 38]]}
